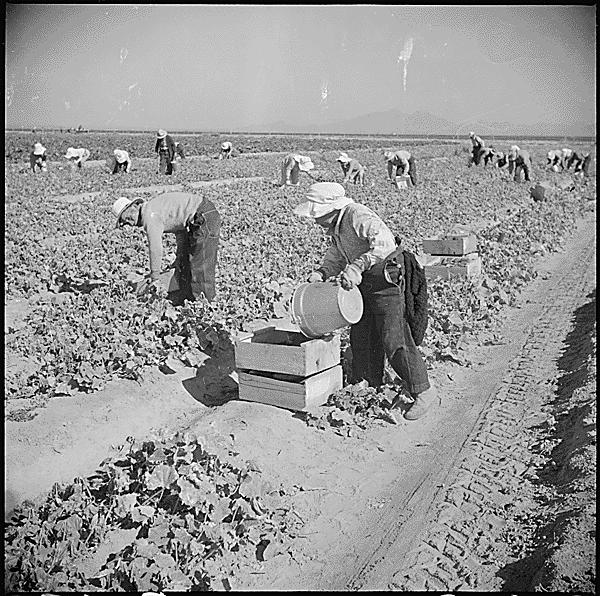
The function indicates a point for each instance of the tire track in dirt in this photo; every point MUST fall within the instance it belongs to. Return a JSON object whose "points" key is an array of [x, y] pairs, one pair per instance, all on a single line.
{"points": [[453, 518], [463, 543]]}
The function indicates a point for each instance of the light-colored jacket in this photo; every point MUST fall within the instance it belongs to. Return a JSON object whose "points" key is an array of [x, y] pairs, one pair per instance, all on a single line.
{"points": [[359, 237], [351, 169], [79, 155], [168, 212]]}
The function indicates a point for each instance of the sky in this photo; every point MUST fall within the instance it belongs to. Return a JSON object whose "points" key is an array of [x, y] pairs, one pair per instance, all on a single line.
{"points": [[227, 67]]}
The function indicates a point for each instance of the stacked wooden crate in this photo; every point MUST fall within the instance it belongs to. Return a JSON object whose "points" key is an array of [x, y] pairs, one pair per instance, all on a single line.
{"points": [[286, 369], [453, 255]]}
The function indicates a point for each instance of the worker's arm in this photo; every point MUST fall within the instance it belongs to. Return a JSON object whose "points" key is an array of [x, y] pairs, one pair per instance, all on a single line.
{"points": [[381, 240], [333, 262], [154, 231]]}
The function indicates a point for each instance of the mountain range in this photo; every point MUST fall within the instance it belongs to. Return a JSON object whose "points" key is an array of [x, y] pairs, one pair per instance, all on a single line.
{"points": [[423, 123]]}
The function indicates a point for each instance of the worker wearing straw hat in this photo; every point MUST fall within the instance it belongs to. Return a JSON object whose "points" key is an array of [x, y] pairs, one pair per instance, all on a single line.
{"points": [[554, 159], [121, 161], [519, 161], [165, 147], [292, 165], [352, 169], [226, 150], [478, 145], [77, 157], [363, 253], [38, 158], [403, 163], [196, 224]]}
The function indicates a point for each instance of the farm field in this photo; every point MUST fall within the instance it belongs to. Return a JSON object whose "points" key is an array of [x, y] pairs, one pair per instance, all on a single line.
{"points": [[203, 491]]}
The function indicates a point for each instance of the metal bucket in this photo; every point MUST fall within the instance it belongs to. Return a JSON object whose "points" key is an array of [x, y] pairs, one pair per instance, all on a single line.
{"points": [[402, 182], [323, 307]]}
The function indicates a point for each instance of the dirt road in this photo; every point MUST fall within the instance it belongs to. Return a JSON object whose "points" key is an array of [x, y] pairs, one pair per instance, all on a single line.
{"points": [[447, 502]]}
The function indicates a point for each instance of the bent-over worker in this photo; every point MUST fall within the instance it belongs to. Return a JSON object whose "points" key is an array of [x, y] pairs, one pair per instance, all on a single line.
{"points": [[352, 169], [195, 222], [361, 254], [226, 150], [38, 158], [581, 161], [403, 162], [292, 165], [77, 157], [477, 146], [121, 161], [519, 160]]}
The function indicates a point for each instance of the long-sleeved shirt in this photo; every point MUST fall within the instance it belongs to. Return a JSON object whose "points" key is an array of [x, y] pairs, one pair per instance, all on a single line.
{"points": [[400, 161], [351, 168], [168, 212], [166, 144], [80, 155], [477, 142], [359, 237]]}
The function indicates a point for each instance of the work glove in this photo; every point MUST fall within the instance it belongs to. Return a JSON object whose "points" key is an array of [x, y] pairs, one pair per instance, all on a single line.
{"points": [[314, 277], [350, 277]]}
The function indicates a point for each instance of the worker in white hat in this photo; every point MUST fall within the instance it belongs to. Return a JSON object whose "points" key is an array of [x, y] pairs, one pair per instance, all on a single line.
{"points": [[121, 161], [477, 145], [363, 254], [292, 165], [566, 156], [78, 156], [165, 148], [38, 158], [196, 224], [403, 163], [519, 161], [352, 169], [226, 150], [554, 159]]}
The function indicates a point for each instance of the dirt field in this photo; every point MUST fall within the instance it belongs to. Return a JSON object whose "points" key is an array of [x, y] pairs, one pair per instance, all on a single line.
{"points": [[493, 490]]}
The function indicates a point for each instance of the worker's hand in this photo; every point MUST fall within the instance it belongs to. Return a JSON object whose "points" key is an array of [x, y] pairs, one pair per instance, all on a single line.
{"points": [[148, 284], [350, 277], [314, 277]]}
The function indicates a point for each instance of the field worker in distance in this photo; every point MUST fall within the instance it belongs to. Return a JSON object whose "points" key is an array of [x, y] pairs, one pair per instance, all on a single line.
{"points": [[361, 254], [403, 162], [226, 149], [519, 160], [121, 161], [165, 147], [292, 165], [580, 160], [77, 157], [487, 154], [179, 155], [501, 159], [566, 155], [196, 224], [38, 158], [352, 169], [478, 145], [554, 159]]}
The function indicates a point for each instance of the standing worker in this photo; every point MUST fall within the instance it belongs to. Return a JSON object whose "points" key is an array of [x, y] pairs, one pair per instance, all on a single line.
{"points": [[478, 145], [226, 150], [77, 157], [195, 222], [362, 253], [518, 159], [352, 169], [165, 147], [121, 161], [38, 158], [292, 165], [403, 162]]}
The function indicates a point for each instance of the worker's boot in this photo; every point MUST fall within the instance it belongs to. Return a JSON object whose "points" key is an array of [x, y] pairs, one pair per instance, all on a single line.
{"points": [[423, 401]]}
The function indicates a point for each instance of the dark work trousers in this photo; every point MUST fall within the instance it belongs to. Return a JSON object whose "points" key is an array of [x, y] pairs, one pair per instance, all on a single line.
{"points": [[522, 165], [119, 167], [164, 163], [384, 331], [197, 256], [412, 171]]}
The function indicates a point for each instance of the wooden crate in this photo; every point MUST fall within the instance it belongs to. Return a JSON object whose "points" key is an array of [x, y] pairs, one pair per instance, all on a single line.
{"points": [[277, 350], [295, 394], [457, 245], [468, 266]]}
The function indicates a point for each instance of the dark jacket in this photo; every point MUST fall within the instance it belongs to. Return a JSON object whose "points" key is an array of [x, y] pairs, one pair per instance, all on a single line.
{"points": [[170, 146]]}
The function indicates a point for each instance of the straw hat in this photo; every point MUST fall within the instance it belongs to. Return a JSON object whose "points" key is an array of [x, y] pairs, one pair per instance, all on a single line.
{"points": [[471, 134], [121, 204], [304, 163], [71, 152], [323, 198], [226, 145], [38, 149], [161, 134], [343, 158], [388, 154], [121, 155]]}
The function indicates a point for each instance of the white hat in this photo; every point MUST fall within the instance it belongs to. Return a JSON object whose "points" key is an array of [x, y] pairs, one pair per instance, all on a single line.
{"points": [[121, 155], [120, 205], [514, 148], [471, 134], [323, 198], [388, 154], [304, 163], [38, 149], [70, 153], [343, 157], [226, 145], [161, 134]]}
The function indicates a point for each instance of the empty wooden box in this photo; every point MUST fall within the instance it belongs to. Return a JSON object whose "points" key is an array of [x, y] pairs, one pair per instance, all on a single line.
{"points": [[452, 245]]}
